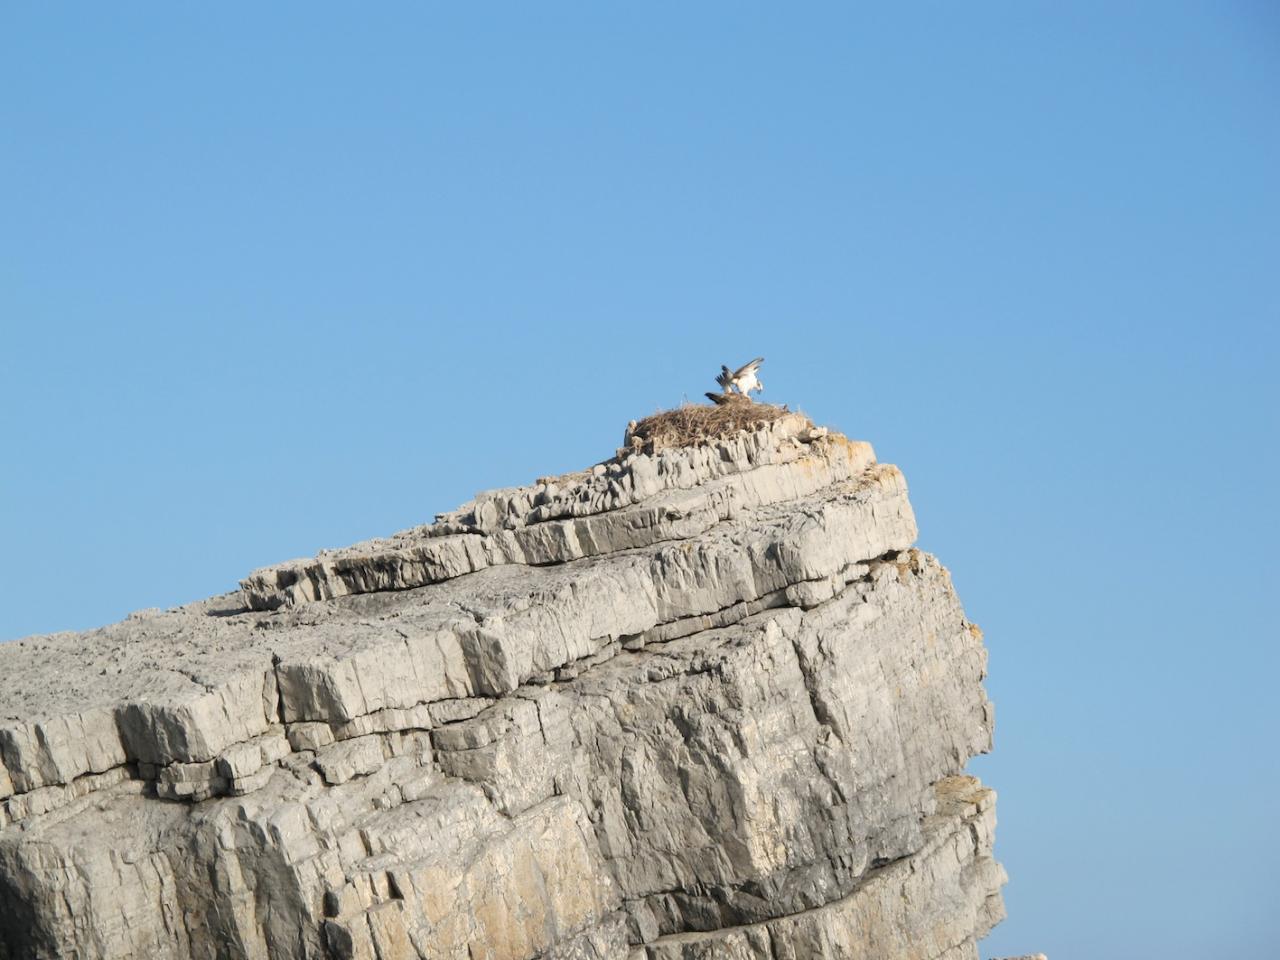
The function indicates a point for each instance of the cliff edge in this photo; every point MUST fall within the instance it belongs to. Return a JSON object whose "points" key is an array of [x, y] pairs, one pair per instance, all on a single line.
{"points": [[701, 700]]}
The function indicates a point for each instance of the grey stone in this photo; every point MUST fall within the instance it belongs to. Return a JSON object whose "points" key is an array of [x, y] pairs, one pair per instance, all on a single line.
{"points": [[686, 491], [339, 762], [309, 736], [944, 897], [707, 702]]}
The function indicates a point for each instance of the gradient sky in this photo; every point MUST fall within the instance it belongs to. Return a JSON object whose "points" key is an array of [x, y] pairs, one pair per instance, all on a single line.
{"points": [[279, 277]]}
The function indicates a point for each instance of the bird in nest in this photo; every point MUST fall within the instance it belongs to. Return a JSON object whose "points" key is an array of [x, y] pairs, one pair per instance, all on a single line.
{"points": [[744, 380]]}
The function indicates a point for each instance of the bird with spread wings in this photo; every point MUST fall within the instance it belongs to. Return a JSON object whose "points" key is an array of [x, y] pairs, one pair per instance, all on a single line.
{"points": [[744, 380]]}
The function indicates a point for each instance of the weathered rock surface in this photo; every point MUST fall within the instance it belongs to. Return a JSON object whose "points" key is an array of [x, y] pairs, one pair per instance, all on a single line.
{"points": [[707, 702]]}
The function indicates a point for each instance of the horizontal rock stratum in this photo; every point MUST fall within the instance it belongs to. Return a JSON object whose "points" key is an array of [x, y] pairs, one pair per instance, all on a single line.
{"points": [[705, 701]]}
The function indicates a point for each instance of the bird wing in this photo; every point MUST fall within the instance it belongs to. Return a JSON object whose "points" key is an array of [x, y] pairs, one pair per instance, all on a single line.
{"points": [[717, 398], [725, 377], [748, 368]]}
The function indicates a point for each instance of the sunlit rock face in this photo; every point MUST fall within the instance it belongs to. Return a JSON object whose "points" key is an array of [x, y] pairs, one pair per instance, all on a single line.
{"points": [[704, 701]]}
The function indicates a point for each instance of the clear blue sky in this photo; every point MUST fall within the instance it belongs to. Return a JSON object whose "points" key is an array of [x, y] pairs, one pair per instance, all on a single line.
{"points": [[278, 277]]}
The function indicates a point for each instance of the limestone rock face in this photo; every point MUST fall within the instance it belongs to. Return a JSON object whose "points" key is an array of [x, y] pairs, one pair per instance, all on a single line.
{"points": [[705, 702]]}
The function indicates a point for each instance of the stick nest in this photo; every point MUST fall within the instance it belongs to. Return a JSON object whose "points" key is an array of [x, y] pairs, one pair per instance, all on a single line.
{"points": [[693, 423]]}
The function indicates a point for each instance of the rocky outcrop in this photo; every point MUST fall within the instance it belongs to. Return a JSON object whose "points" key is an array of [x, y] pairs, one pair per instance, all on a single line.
{"points": [[700, 702]]}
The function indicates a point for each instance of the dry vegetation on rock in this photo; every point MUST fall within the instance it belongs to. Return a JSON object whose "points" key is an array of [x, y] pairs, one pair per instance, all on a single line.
{"points": [[692, 423]]}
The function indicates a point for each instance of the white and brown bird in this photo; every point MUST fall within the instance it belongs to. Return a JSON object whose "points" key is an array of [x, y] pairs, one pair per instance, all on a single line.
{"points": [[720, 399], [744, 379]]}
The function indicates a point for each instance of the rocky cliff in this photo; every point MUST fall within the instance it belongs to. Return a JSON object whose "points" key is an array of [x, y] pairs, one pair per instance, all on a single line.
{"points": [[698, 701]]}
